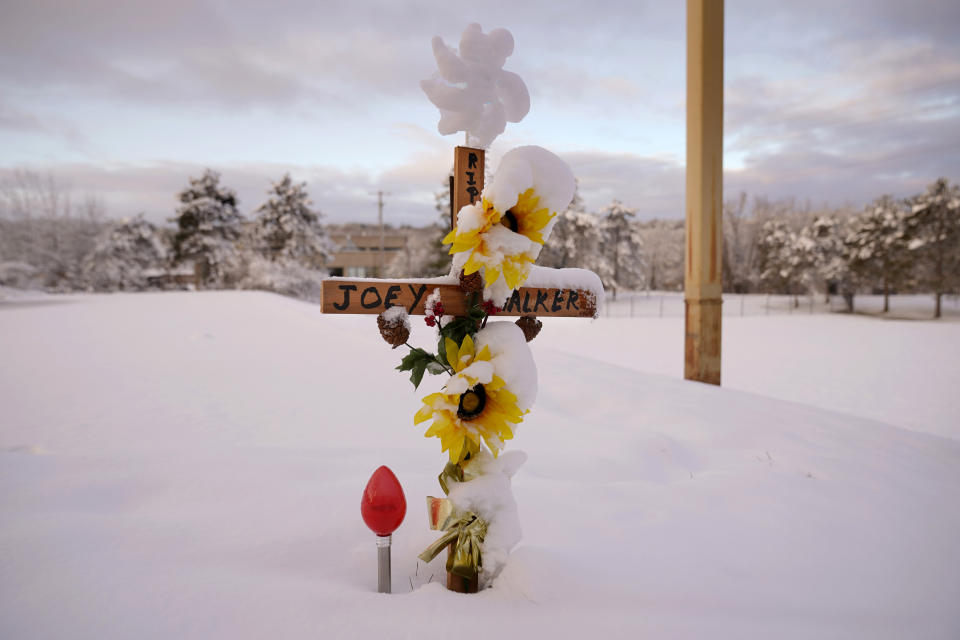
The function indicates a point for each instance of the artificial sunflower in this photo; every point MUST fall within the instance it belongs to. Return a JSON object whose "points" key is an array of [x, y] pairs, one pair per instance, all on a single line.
{"points": [[502, 235], [500, 242], [475, 406]]}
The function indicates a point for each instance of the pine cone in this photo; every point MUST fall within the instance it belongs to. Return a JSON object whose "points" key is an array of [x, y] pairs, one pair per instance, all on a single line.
{"points": [[395, 332], [472, 283], [530, 326]]}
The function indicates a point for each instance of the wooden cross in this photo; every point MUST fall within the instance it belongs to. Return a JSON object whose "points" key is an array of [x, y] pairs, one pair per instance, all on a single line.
{"points": [[375, 295]]}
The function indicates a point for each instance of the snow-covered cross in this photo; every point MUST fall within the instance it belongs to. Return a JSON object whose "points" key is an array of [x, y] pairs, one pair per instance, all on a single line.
{"points": [[497, 232], [376, 295]]}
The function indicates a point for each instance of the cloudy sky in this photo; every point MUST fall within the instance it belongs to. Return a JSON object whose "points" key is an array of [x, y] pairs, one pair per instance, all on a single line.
{"points": [[836, 101]]}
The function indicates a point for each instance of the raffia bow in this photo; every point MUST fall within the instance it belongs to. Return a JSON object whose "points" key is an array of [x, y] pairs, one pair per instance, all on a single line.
{"points": [[465, 530]]}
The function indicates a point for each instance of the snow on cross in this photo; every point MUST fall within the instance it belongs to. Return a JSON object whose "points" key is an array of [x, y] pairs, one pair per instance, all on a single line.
{"points": [[568, 293]]}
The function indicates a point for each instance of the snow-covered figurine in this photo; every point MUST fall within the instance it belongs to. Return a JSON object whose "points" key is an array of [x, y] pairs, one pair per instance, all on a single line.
{"points": [[472, 90]]}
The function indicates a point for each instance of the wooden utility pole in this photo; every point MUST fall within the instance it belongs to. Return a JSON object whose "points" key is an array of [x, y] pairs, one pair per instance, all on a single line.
{"points": [[702, 276], [380, 260]]}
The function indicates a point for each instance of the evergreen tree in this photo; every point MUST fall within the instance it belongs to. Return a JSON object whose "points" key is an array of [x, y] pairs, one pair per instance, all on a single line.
{"points": [[830, 261], [877, 247], [287, 229], [124, 255], [575, 240], [622, 248], [208, 227], [933, 228], [785, 259]]}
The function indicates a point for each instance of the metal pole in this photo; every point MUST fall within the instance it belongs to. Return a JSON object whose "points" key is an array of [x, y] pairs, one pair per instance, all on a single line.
{"points": [[704, 185], [383, 564]]}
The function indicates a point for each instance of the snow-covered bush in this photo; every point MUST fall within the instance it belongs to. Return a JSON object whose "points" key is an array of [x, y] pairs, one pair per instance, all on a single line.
{"points": [[286, 277], [125, 256]]}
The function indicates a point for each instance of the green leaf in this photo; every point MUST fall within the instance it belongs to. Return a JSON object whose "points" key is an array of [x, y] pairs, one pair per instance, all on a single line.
{"points": [[416, 362], [409, 360], [442, 351], [417, 374]]}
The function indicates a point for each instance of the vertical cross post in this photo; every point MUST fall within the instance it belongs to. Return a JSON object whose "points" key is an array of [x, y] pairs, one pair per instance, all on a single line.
{"points": [[466, 186], [468, 167], [702, 276]]}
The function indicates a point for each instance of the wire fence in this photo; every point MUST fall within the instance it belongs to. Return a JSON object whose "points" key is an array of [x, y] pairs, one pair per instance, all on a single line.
{"points": [[669, 304]]}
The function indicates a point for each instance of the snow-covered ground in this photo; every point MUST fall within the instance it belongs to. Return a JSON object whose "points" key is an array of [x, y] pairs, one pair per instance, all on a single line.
{"points": [[190, 465], [902, 372]]}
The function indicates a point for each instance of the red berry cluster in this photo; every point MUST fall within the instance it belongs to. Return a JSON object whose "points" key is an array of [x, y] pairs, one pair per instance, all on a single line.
{"points": [[490, 308], [431, 318]]}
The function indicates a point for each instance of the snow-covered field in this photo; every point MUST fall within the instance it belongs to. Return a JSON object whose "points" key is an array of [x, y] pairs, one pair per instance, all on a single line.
{"points": [[190, 465]]}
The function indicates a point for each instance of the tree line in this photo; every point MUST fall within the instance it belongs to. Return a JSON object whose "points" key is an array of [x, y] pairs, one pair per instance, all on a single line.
{"points": [[282, 248], [769, 246]]}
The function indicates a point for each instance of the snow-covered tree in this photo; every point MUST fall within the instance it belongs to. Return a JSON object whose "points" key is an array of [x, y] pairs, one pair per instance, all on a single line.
{"points": [[663, 251], [575, 240], [287, 229], [208, 228], [739, 245], [877, 246], [784, 259], [43, 232], [622, 248], [933, 227], [830, 261], [124, 255]]}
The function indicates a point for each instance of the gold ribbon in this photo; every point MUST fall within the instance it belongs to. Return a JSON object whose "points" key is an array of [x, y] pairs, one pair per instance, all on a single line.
{"points": [[451, 472], [466, 532]]}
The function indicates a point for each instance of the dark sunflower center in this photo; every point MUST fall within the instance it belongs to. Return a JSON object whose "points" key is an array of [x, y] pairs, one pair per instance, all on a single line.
{"points": [[510, 221], [472, 402]]}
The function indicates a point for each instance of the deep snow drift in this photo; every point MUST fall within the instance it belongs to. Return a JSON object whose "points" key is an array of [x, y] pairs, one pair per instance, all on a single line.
{"points": [[191, 465]]}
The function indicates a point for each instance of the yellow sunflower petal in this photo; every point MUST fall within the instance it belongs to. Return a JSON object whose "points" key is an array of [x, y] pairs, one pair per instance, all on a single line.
{"points": [[423, 414], [491, 274], [456, 448], [473, 264], [467, 348], [453, 354]]}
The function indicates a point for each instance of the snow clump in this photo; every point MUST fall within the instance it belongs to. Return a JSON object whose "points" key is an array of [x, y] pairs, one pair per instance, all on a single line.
{"points": [[472, 90], [488, 494]]}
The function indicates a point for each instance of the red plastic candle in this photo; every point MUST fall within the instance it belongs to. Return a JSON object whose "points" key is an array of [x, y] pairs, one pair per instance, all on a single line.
{"points": [[383, 505]]}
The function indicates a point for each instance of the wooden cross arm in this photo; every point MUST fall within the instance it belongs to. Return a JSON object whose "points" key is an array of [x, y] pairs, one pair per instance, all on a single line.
{"points": [[375, 296]]}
